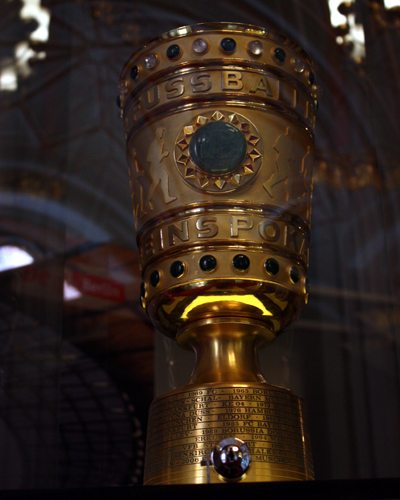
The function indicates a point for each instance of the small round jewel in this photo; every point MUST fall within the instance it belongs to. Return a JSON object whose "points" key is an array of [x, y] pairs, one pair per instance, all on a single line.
{"points": [[154, 278], [123, 86], [228, 44], [208, 263], [298, 65], [199, 46], [177, 269], [241, 262], [316, 91], [272, 266], [280, 55], [294, 274], [150, 61], [255, 47], [134, 72], [173, 51]]}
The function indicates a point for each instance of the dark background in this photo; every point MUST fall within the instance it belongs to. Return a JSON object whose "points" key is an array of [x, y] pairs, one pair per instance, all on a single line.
{"points": [[77, 376]]}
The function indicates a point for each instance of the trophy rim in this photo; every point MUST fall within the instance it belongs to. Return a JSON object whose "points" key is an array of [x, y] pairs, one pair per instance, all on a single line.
{"points": [[220, 26]]}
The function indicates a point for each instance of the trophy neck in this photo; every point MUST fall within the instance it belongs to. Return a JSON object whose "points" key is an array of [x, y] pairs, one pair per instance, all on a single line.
{"points": [[226, 349]]}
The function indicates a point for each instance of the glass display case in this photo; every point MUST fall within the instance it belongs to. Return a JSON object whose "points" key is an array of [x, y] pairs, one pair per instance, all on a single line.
{"points": [[80, 362]]}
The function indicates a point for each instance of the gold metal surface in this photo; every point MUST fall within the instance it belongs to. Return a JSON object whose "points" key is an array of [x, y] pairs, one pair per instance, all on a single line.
{"points": [[219, 124], [188, 422]]}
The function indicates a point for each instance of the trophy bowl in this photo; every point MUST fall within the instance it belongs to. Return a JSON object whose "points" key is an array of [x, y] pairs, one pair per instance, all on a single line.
{"points": [[219, 123]]}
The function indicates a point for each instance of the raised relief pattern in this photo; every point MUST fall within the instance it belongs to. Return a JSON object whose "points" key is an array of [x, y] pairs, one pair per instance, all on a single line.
{"points": [[290, 177], [218, 151], [157, 171]]}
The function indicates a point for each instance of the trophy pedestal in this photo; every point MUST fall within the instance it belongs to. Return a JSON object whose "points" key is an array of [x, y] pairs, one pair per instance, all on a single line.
{"points": [[186, 424], [228, 404]]}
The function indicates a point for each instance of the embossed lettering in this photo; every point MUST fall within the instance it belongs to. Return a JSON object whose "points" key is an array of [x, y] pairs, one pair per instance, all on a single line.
{"points": [[135, 110], [240, 222], [161, 239], [269, 231], [175, 88], [200, 82], [232, 80], [151, 97], [287, 93], [261, 84], [181, 233], [148, 247], [291, 239], [302, 105], [206, 227]]}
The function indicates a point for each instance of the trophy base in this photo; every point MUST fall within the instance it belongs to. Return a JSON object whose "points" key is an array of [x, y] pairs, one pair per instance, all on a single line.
{"points": [[186, 424]]}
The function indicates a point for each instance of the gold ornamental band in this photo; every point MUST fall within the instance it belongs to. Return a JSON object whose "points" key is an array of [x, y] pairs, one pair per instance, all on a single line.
{"points": [[233, 226], [255, 88], [185, 425]]}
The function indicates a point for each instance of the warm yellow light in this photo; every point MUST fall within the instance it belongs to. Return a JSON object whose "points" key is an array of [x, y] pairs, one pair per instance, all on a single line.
{"points": [[213, 299]]}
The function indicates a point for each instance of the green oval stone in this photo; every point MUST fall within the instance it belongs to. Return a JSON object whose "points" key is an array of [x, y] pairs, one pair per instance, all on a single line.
{"points": [[294, 274], [218, 148], [272, 266], [241, 262], [177, 269], [280, 54], [154, 278], [173, 51], [208, 263]]}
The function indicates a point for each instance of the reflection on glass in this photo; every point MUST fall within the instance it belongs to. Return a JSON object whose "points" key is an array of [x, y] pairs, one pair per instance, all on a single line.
{"points": [[12, 256]]}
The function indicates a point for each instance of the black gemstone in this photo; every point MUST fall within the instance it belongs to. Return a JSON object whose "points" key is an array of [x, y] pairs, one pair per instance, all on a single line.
{"points": [[294, 274], [272, 266], [177, 269], [154, 278], [173, 51], [280, 54], [208, 263], [307, 286], [134, 72], [218, 148], [228, 44], [311, 77], [241, 262], [119, 101]]}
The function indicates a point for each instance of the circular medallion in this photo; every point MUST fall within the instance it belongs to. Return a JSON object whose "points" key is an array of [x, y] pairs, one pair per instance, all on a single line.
{"points": [[218, 151], [218, 148]]}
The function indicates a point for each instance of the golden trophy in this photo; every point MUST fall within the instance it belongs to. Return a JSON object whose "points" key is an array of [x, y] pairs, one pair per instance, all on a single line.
{"points": [[219, 125]]}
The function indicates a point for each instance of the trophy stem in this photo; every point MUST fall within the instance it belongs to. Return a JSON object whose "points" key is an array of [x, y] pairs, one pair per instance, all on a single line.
{"points": [[228, 411], [226, 349]]}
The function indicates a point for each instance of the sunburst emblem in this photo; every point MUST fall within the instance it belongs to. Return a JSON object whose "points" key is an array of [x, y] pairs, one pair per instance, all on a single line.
{"points": [[218, 151]]}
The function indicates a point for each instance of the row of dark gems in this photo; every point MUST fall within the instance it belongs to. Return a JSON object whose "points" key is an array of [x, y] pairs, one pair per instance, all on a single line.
{"points": [[208, 263], [228, 46]]}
